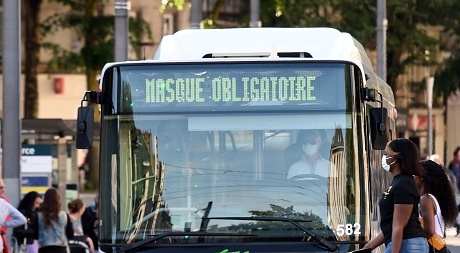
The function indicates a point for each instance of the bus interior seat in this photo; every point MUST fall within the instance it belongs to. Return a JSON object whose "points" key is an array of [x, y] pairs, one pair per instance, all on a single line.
{"points": [[292, 154]]}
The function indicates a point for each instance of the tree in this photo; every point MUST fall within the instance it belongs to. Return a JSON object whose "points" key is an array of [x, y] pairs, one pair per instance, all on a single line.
{"points": [[447, 77], [208, 22], [96, 30], [32, 50], [407, 39], [93, 28]]}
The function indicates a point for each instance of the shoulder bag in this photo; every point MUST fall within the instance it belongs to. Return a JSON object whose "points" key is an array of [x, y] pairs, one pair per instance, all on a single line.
{"points": [[436, 241]]}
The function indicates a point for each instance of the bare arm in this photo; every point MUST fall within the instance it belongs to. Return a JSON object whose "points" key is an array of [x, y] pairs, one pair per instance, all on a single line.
{"points": [[375, 242], [427, 211]]}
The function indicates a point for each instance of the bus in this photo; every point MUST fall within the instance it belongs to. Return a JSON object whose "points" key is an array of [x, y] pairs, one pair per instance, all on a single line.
{"points": [[241, 140]]}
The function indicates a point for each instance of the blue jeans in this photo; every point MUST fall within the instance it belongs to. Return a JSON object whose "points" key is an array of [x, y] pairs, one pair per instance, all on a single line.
{"points": [[417, 244]]}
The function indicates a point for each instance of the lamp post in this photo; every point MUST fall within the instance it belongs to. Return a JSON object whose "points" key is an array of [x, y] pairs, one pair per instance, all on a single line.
{"points": [[429, 90], [122, 7], [195, 14], [255, 14], [382, 24]]}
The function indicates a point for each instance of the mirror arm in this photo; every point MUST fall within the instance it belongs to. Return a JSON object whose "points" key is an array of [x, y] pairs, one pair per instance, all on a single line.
{"points": [[370, 94], [92, 96]]}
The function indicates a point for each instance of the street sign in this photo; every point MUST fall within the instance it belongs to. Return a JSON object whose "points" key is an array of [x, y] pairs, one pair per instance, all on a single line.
{"points": [[35, 182], [36, 159]]}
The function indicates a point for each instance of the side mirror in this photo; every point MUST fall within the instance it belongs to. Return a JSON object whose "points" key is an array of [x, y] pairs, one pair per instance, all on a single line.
{"points": [[85, 124], [379, 136]]}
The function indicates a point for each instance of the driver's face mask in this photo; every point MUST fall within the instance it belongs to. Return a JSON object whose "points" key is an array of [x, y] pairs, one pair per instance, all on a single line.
{"points": [[310, 148]]}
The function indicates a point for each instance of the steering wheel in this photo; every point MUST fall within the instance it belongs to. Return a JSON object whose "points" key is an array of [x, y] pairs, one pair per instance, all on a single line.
{"points": [[308, 177], [312, 183]]}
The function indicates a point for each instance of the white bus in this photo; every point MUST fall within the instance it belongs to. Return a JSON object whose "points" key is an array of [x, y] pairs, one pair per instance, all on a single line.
{"points": [[241, 140]]}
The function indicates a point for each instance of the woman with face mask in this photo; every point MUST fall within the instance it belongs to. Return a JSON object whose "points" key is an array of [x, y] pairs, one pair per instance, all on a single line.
{"points": [[400, 228]]}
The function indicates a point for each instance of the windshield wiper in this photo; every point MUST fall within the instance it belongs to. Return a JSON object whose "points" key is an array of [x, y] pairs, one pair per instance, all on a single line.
{"points": [[201, 233], [295, 222], [136, 245]]}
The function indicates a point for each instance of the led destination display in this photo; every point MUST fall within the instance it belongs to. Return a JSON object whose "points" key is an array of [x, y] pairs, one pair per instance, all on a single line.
{"points": [[224, 89], [227, 85]]}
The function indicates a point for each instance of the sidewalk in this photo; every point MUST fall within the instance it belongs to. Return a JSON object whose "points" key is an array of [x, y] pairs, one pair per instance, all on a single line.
{"points": [[451, 238], [451, 233]]}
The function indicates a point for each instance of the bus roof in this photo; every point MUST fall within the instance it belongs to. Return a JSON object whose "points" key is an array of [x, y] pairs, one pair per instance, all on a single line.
{"points": [[317, 43]]}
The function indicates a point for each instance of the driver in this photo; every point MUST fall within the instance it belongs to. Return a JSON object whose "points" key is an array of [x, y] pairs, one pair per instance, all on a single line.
{"points": [[311, 161]]}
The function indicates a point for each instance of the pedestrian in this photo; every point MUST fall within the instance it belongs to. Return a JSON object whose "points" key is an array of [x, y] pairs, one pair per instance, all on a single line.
{"points": [[437, 202], [29, 207], [400, 227], [9, 217], [454, 166], [90, 221], [3, 229], [2, 190], [76, 208], [52, 227]]}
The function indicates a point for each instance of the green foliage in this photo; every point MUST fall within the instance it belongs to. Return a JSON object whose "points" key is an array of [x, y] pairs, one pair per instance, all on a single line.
{"points": [[297, 13], [63, 60], [407, 41], [289, 212], [138, 29], [208, 23], [96, 32], [312, 222], [447, 80], [178, 4]]}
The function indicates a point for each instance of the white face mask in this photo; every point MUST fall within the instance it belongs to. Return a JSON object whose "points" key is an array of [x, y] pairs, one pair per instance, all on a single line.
{"points": [[385, 165], [310, 149]]}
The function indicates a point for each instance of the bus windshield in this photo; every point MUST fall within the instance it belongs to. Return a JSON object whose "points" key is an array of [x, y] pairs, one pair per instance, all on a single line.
{"points": [[220, 146]]}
